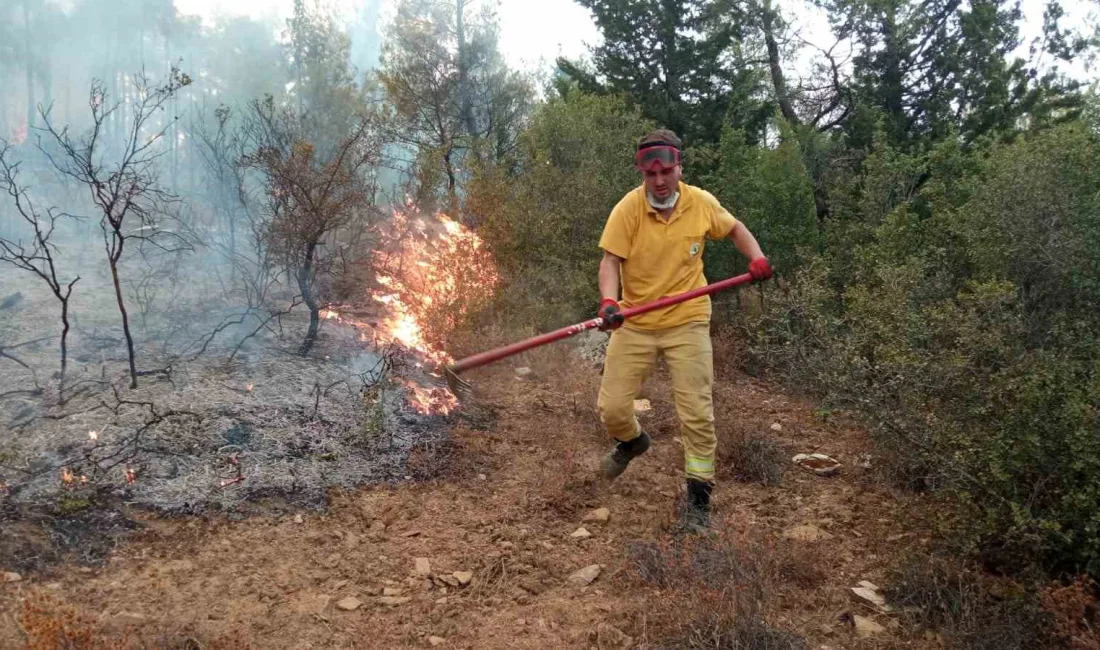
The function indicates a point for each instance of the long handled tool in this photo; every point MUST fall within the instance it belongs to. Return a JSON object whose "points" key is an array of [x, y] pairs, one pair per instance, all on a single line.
{"points": [[462, 388]]}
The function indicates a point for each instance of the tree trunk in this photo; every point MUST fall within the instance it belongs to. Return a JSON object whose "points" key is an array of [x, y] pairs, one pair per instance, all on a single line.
{"points": [[464, 75], [452, 183], [305, 286], [28, 64], [113, 260], [64, 347], [767, 19]]}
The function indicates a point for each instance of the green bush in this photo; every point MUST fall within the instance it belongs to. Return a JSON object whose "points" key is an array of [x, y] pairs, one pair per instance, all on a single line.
{"points": [[542, 216], [963, 319]]}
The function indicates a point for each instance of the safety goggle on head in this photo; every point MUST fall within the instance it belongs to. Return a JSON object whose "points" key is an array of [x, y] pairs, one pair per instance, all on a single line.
{"points": [[656, 155]]}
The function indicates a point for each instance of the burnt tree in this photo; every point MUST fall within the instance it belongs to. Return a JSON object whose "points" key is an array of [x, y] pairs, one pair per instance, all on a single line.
{"points": [[37, 254], [126, 190], [311, 197]]}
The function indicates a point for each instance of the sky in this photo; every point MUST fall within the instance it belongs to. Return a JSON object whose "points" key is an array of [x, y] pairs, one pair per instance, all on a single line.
{"points": [[535, 32], [531, 31]]}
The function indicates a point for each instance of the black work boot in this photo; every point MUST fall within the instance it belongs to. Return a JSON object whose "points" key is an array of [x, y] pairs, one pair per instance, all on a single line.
{"points": [[696, 518], [615, 462]]}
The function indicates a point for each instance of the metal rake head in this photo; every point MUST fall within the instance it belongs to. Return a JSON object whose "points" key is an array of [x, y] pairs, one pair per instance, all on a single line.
{"points": [[461, 388]]}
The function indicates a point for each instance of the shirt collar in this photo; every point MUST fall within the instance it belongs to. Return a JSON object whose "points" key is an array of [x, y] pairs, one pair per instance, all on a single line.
{"points": [[683, 203]]}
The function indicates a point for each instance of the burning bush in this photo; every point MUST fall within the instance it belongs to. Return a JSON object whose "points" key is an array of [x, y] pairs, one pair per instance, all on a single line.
{"points": [[433, 273]]}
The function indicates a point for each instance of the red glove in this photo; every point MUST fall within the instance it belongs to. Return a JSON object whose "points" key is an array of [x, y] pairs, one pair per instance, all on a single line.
{"points": [[611, 314], [759, 269]]}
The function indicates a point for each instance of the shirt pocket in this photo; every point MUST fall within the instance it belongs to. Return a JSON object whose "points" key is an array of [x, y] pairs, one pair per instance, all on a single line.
{"points": [[691, 247]]}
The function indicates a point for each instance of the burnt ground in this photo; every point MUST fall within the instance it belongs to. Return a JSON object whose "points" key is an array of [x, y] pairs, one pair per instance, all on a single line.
{"points": [[501, 498], [233, 423]]}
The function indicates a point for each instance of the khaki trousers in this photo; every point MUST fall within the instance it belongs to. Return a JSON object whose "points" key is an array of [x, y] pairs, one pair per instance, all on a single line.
{"points": [[631, 355]]}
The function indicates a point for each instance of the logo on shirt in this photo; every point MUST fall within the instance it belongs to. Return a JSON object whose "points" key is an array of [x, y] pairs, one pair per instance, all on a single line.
{"points": [[695, 249]]}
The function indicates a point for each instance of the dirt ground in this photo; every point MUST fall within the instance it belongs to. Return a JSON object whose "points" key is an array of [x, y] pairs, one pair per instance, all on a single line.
{"points": [[515, 484]]}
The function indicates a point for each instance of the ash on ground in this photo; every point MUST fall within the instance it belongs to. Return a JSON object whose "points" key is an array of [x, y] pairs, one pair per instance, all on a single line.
{"points": [[206, 434]]}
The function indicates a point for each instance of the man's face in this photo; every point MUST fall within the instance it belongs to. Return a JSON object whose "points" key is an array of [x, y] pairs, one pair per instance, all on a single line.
{"points": [[662, 182]]}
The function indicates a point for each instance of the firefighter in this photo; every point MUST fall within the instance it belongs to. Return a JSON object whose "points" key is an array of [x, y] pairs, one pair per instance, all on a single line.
{"points": [[653, 247]]}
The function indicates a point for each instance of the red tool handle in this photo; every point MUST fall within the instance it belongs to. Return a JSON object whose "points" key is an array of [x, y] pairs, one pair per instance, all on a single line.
{"points": [[565, 332]]}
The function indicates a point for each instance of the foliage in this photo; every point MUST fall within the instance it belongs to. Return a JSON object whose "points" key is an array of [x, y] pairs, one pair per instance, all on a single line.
{"points": [[544, 223], [673, 60], [451, 100], [963, 321]]}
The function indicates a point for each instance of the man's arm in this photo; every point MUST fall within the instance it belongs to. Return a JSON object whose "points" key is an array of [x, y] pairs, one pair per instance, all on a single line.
{"points": [[610, 269], [744, 242]]}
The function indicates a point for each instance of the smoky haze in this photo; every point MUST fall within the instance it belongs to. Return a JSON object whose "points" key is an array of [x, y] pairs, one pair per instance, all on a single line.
{"points": [[184, 205]]}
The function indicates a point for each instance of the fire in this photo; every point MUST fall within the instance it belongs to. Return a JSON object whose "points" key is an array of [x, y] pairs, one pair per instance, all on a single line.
{"points": [[67, 476], [92, 435], [328, 314], [431, 273], [437, 401]]}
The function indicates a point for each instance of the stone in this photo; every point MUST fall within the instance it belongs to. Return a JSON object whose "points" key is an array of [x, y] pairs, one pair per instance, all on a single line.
{"points": [[349, 604], [586, 575], [612, 638], [450, 581], [869, 595], [463, 577], [600, 515], [411, 533], [642, 405], [777, 427], [868, 584], [506, 545], [11, 576], [392, 591], [436, 640], [298, 519], [423, 566], [866, 627], [523, 373], [806, 533], [351, 540], [819, 464], [340, 584], [394, 601], [581, 533]]}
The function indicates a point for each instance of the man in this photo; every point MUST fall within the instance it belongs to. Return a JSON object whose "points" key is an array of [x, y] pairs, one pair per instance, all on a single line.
{"points": [[653, 247]]}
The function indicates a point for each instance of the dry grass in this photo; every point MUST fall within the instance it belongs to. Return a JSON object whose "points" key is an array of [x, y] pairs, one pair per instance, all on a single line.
{"points": [[973, 611], [1074, 610], [714, 592], [49, 624], [752, 458]]}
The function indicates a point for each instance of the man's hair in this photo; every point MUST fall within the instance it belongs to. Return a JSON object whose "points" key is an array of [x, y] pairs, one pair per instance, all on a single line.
{"points": [[662, 136]]}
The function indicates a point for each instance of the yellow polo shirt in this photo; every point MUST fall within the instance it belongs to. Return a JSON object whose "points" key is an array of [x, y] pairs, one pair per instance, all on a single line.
{"points": [[665, 258]]}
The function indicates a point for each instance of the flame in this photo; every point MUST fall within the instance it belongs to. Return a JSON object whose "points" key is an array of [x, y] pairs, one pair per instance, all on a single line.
{"points": [[431, 273], [434, 401], [328, 314], [92, 435], [66, 476]]}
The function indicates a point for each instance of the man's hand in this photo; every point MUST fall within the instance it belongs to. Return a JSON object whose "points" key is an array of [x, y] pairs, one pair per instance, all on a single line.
{"points": [[611, 314], [760, 269]]}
